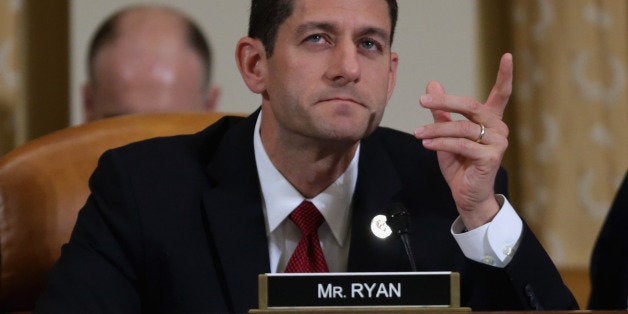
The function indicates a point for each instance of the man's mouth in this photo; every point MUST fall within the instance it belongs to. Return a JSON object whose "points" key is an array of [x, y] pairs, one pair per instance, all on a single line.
{"points": [[342, 100]]}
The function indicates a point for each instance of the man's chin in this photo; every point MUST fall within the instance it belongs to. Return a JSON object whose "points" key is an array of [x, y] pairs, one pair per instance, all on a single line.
{"points": [[349, 134]]}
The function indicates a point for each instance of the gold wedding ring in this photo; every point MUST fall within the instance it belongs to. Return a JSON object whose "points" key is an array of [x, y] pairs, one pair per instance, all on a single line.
{"points": [[482, 133]]}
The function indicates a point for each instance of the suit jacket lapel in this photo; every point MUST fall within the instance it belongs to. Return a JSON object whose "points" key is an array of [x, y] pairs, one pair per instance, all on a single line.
{"points": [[235, 217], [377, 187]]}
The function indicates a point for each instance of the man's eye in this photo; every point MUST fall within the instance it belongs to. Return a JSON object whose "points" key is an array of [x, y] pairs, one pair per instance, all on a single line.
{"points": [[369, 45], [315, 38]]}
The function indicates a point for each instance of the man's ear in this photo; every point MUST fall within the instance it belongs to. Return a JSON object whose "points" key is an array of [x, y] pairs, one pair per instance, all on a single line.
{"points": [[88, 102], [211, 99], [251, 61]]}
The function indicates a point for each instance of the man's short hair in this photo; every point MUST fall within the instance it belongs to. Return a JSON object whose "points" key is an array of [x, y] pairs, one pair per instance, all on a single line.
{"points": [[108, 32], [267, 15]]}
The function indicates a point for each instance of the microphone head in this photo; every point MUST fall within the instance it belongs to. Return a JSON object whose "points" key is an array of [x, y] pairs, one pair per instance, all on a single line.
{"points": [[398, 218]]}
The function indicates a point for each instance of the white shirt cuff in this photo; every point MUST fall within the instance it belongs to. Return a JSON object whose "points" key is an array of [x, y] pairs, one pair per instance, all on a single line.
{"points": [[493, 243]]}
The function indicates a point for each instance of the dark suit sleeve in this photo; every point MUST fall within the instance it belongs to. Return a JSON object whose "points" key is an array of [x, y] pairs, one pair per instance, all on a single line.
{"points": [[97, 270], [536, 280], [609, 266], [529, 282]]}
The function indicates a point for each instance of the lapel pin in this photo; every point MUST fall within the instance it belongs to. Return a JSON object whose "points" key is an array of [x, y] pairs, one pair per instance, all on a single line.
{"points": [[379, 227]]}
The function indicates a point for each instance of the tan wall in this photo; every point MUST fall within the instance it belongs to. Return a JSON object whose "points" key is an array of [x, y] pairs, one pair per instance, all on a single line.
{"points": [[11, 71], [34, 70]]}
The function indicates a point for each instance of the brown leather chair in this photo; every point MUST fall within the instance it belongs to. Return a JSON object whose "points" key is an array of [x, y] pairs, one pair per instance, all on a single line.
{"points": [[43, 184]]}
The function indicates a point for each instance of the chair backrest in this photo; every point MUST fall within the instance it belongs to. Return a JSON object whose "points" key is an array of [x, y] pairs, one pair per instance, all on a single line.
{"points": [[44, 183]]}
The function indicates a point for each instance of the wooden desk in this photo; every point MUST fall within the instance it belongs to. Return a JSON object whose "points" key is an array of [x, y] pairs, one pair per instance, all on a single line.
{"points": [[429, 310]]}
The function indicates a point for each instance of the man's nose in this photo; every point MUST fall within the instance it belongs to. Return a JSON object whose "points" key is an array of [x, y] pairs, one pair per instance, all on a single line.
{"points": [[345, 67]]}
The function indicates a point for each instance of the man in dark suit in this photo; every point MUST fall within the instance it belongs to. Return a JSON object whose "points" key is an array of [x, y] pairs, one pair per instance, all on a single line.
{"points": [[185, 224], [609, 269]]}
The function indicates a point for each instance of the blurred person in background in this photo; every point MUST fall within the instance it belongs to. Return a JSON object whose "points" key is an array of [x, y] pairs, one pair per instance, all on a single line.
{"points": [[609, 269], [148, 59]]}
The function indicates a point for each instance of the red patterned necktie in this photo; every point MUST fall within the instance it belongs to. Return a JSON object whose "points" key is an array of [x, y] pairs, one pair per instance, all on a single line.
{"points": [[308, 256]]}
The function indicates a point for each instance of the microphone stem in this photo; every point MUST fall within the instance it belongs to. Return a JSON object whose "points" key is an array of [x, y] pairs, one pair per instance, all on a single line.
{"points": [[406, 245]]}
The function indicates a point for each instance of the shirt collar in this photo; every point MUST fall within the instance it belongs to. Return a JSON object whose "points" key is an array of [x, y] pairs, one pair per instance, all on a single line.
{"points": [[279, 197]]}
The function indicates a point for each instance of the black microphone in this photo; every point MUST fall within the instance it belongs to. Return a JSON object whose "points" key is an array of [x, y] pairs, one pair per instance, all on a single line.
{"points": [[398, 218]]}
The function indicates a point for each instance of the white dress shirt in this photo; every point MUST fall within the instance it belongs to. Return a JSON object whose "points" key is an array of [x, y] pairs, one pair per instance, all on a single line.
{"points": [[280, 198], [493, 243]]}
